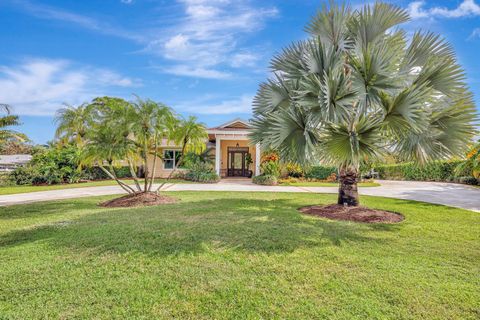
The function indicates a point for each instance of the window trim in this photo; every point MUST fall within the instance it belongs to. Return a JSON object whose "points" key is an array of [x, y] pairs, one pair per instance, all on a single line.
{"points": [[174, 159]]}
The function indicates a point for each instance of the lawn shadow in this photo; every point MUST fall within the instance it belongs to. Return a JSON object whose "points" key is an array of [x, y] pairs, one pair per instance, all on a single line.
{"points": [[192, 227], [42, 209]]}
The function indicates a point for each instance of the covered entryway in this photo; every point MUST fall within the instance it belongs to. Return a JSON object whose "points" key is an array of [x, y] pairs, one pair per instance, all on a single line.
{"points": [[235, 156]]}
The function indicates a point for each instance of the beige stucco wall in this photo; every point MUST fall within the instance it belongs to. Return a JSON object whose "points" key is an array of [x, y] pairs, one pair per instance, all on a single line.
{"points": [[224, 144], [160, 172]]}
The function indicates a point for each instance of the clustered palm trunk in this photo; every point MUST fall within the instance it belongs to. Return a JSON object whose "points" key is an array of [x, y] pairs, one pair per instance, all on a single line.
{"points": [[359, 89]]}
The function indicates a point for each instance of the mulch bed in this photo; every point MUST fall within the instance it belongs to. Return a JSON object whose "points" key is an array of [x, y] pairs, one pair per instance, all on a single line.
{"points": [[357, 214], [138, 200]]}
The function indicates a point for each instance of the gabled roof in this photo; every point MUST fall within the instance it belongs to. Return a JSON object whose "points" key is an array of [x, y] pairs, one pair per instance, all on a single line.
{"points": [[237, 124]]}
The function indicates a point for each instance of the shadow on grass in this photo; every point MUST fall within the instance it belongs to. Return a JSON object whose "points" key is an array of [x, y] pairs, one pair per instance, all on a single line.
{"points": [[42, 209], [192, 227]]}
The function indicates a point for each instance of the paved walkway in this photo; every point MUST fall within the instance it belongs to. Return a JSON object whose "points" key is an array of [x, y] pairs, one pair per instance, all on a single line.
{"points": [[449, 194]]}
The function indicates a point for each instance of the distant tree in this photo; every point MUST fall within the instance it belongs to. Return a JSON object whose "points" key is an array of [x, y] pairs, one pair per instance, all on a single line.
{"points": [[7, 135], [73, 123], [358, 88]]}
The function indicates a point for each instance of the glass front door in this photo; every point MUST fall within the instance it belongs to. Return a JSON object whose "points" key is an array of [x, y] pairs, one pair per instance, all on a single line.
{"points": [[236, 162]]}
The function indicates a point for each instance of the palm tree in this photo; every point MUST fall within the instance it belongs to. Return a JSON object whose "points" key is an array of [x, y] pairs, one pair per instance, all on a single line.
{"points": [[359, 88], [152, 122], [131, 132], [191, 136], [73, 123], [6, 121]]}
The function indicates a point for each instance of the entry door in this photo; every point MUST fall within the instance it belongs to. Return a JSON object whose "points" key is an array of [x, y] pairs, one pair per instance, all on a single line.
{"points": [[236, 161]]}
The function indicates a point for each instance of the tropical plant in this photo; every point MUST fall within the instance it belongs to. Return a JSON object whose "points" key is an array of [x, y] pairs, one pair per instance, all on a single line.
{"points": [[123, 133], [359, 88], [472, 162], [49, 166], [73, 123], [8, 120], [128, 132], [190, 136]]}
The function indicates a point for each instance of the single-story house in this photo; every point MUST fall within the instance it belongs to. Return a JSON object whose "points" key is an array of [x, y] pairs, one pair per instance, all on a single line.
{"points": [[10, 162], [235, 155]]}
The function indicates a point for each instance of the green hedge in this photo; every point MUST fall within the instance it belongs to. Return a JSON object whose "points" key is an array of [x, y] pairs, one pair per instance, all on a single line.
{"points": [[320, 172], [434, 171]]}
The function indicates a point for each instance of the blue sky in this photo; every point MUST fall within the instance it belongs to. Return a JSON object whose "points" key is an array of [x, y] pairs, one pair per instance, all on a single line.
{"points": [[201, 57]]}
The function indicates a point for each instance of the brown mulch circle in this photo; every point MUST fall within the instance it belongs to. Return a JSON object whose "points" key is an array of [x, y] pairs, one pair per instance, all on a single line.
{"points": [[138, 200], [357, 214]]}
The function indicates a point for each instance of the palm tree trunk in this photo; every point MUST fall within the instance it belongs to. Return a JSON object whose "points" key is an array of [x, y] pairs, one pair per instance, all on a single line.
{"points": [[154, 169], [348, 190], [145, 164], [134, 175], [120, 183]]}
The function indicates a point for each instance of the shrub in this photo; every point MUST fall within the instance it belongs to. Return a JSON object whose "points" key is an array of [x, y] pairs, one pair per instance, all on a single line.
{"points": [[332, 177], [202, 172], [23, 175], [294, 170], [95, 173], [270, 168], [265, 180], [58, 165], [320, 172], [468, 180]]}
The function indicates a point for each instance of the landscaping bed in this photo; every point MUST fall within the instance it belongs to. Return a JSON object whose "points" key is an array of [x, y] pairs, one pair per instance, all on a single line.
{"points": [[356, 214], [138, 200]]}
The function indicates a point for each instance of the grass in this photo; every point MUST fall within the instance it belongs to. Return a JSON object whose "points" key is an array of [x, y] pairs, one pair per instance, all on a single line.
{"points": [[29, 188], [237, 256], [324, 184]]}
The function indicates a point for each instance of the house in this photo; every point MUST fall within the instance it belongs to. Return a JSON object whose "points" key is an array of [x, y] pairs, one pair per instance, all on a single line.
{"points": [[10, 162], [235, 156]]}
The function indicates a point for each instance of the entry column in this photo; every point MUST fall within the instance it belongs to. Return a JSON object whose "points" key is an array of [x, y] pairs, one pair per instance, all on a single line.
{"points": [[217, 155]]}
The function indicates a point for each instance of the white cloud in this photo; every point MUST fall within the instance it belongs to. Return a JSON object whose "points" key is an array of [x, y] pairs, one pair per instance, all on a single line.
{"points": [[52, 13], [468, 8], [242, 105], [475, 34], [208, 36], [39, 86], [197, 72], [245, 59]]}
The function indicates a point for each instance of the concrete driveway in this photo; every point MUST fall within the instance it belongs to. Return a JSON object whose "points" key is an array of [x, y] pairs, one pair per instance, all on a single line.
{"points": [[449, 194]]}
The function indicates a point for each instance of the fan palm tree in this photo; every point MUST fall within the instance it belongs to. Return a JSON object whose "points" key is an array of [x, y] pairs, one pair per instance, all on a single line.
{"points": [[7, 121], [359, 88], [73, 123]]}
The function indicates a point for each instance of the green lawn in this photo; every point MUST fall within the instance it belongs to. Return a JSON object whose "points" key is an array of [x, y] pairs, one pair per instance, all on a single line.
{"points": [[236, 256], [26, 189], [325, 184]]}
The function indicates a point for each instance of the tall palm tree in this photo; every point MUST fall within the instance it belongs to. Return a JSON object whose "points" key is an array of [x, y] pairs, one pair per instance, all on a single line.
{"points": [[7, 121], [359, 87], [73, 123], [152, 123]]}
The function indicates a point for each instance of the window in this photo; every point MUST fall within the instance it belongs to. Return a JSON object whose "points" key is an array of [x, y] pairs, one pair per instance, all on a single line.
{"points": [[171, 158]]}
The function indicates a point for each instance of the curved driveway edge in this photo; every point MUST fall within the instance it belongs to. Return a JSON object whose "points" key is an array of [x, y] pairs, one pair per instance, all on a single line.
{"points": [[449, 194]]}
